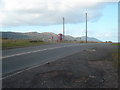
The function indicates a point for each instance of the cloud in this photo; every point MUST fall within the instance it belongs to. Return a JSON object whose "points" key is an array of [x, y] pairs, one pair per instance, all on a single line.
{"points": [[109, 36], [48, 12]]}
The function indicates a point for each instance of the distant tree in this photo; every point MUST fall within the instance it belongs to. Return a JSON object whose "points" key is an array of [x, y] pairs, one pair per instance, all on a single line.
{"points": [[110, 41]]}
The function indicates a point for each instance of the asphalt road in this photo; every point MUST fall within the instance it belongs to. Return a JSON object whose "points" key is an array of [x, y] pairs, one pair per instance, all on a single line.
{"points": [[30, 57]]}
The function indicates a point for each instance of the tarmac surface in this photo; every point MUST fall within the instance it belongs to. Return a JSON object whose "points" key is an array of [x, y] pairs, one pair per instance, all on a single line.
{"points": [[21, 58], [90, 66]]}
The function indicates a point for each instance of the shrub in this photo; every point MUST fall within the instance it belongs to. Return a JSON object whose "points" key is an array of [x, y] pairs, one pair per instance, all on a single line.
{"points": [[5, 38]]}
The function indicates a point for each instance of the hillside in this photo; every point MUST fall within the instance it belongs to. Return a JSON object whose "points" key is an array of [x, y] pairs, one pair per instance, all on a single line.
{"points": [[89, 39], [43, 36]]}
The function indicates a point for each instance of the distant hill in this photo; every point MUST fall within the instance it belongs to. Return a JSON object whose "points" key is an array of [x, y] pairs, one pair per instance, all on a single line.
{"points": [[14, 35], [89, 39], [43, 36]]}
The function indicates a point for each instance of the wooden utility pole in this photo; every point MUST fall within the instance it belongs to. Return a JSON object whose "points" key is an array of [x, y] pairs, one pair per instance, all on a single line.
{"points": [[86, 27], [63, 29]]}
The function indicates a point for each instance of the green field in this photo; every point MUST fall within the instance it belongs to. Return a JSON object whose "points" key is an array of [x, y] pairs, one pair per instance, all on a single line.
{"points": [[7, 44], [116, 55], [116, 44]]}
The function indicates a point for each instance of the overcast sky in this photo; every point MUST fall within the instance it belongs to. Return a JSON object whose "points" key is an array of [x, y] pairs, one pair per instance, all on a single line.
{"points": [[46, 16]]}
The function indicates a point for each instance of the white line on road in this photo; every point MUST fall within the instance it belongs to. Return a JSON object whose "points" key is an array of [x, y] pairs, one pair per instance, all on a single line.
{"points": [[31, 67], [34, 51]]}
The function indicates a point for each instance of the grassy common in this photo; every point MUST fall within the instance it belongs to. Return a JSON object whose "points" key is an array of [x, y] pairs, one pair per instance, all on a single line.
{"points": [[116, 55], [116, 58], [116, 61], [70, 41], [6, 44], [116, 44]]}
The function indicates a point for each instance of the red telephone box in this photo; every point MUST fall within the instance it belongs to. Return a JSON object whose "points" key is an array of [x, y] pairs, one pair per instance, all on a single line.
{"points": [[51, 37], [59, 37]]}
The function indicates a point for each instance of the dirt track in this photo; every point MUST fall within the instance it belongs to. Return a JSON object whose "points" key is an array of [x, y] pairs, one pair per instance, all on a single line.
{"points": [[89, 68]]}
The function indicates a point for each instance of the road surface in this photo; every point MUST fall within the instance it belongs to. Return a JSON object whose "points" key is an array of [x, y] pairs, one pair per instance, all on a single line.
{"points": [[30, 57]]}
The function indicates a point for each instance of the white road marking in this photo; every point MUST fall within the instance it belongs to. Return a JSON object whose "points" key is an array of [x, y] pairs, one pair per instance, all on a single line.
{"points": [[34, 65], [34, 51]]}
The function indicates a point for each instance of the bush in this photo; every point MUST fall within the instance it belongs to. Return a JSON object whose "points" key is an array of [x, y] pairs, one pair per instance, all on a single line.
{"points": [[110, 41], [5, 38], [35, 41]]}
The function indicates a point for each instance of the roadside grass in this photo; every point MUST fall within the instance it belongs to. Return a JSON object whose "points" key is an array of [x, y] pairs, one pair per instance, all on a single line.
{"points": [[116, 55], [7, 44], [116, 62], [116, 44], [69, 41], [116, 58]]}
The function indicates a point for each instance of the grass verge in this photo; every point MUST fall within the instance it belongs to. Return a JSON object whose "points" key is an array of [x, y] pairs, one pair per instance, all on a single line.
{"points": [[116, 58], [7, 44], [116, 44], [116, 55]]}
